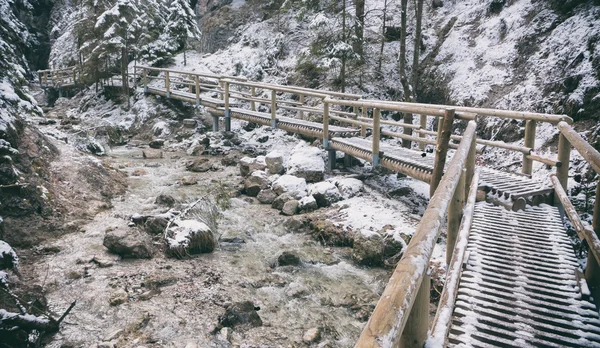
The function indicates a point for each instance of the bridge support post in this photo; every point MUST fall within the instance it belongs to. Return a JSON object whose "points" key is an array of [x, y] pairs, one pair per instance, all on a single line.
{"points": [[441, 150], [348, 160], [415, 331], [529, 142], [227, 111], [227, 121], [455, 214], [331, 159], [60, 92], [363, 129], [273, 109], [215, 122], [167, 84]]}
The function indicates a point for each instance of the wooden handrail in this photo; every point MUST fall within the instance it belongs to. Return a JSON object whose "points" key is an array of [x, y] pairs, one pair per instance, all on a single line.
{"points": [[587, 151], [390, 316], [443, 315], [278, 88]]}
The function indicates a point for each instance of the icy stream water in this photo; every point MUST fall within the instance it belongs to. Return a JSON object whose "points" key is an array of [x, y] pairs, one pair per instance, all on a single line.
{"points": [[326, 291]]}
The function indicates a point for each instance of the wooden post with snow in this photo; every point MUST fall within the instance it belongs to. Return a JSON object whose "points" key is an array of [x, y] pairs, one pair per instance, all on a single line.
{"points": [[227, 111], [363, 129], [455, 214], [273, 108], [564, 156], [252, 102], [441, 150], [415, 331], [168, 84], [530, 143], [423, 123], [197, 86], [376, 136]]}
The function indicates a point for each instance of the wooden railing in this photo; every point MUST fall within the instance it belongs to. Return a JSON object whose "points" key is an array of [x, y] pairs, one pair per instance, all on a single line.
{"points": [[59, 77]]}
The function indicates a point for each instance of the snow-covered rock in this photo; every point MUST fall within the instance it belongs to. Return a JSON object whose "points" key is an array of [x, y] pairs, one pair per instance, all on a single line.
{"points": [[290, 183], [254, 183], [274, 161], [348, 187], [8, 256], [161, 129], [325, 193], [249, 165], [306, 162], [290, 207], [307, 204], [189, 237]]}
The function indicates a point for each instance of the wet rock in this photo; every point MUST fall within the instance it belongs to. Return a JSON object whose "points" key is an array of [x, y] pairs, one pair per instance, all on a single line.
{"points": [[152, 165], [236, 141], [328, 233], [118, 297], [288, 258], [157, 143], [290, 183], [250, 126], [139, 172], [229, 135], [155, 224], [296, 290], [307, 204], [128, 243], [152, 154], [205, 141], [187, 237], [189, 123], [325, 193], [101, 262], [280, 201], [199, 165], [290, 207], [266, 196], [401, 192], [306, 162], [189, 180], [368, 249], [249, 165], [227, 143], [263, 139], [311, 335], [274, 161], [240, 314], [95, 148], [295, 224], [254, 183], [230, 160], [165, 200]]}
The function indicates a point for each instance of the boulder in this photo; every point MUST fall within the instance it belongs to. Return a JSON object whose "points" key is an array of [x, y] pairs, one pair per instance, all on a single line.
{"points": [[325, 193], [254, 183], [349, 187], [290, 207], [263, 139], [311, 335], [189, 123], [240, 314], [129, 243], [290, 183], [274, 161], [157, 143], [368, 249], [186, 237], [199, 165], [118, 297], [306, 162], [329, 233], [249, 165], [189, 180], [307, 204], [230, 160], [280, 201], [266, 196], [288, 258], [155, 224], [165, 200]]}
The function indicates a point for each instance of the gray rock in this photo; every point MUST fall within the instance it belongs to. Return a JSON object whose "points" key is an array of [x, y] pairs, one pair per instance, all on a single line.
{"points": [[306, 162], [157, 143], [274, 161], [280, 201], [114, 334], [129, 243], [290, 183], [241, 314], [254, 183], [199, 165], [368, 249], [230, 160], [311, 335], [189, 123], [325, 193], [295, 223], [266, 196], [189, 180], [249, 165], [288, 258], [165, 200], [263, 139], [152, 154], [307, 204], [155, 225], [290, 207], [118, 297]]}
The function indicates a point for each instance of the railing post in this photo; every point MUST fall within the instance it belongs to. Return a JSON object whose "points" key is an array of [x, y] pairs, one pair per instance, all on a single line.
{"points": [[415, 331], [408, 118], [441, 150], [592, 270], [168, 84], [300, 112], [252, 102], [190, 86], [564, 155], [529, 142], [221, 84], [376, 136], [423, 123], [197, 83], [363, 129], [273, 109], [227, 114], [145, 75], [470, 165], [455, 209], [331, 158], [74, 80], [46, 78]]}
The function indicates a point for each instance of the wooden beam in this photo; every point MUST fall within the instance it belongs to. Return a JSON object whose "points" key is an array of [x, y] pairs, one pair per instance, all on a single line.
{"points": [[455, 215], [423, 124], [326, 125], [363, 129], [253, 103], [442, 150], [376, 136], [530, 143], [564, 156], [587, 151]]}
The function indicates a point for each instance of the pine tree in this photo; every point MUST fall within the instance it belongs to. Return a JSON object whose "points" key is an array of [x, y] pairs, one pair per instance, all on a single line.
{"points": [[182, 25]]}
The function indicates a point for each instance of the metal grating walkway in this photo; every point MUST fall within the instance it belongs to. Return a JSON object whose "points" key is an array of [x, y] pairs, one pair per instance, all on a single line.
{"points": [[519, 287]]}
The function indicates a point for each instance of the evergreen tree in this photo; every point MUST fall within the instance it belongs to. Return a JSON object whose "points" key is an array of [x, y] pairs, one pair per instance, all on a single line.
{"points": [[182, 25]]}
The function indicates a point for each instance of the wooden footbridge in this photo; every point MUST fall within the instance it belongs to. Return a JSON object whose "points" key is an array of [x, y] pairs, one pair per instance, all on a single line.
{"points": [[513, 279]]}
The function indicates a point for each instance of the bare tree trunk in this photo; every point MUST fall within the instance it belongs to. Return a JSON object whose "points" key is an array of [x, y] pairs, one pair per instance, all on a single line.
{"points": [[184, 57], [382, 38], [408, 118], [359, 28], [343, 72], [415, 65], [124, 74]]}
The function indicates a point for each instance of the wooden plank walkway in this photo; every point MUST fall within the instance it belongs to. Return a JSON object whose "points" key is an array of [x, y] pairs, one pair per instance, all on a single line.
{"points": [[520, 286]]}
